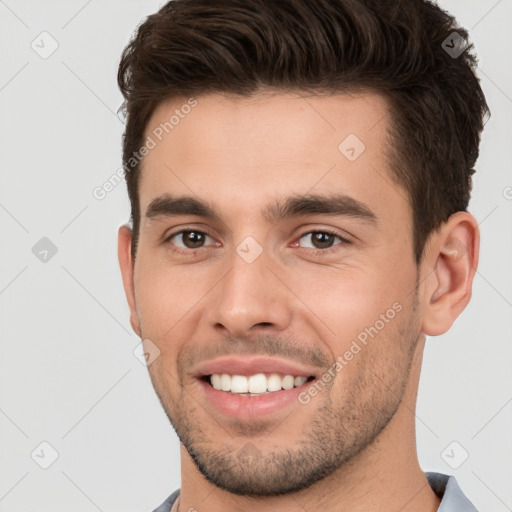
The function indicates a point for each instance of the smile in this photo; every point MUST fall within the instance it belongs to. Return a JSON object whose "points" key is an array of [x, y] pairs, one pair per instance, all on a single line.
{"points": [[253, 388]]}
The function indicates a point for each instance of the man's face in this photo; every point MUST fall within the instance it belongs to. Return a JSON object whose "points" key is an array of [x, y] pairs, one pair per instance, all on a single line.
{"points": [[305, 270]]}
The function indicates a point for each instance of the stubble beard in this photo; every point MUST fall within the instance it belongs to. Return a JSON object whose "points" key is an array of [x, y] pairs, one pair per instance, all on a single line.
{"points": [[340, 429]]}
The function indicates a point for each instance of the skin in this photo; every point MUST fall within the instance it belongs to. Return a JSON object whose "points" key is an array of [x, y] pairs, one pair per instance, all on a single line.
{"points": [[352, 446]]}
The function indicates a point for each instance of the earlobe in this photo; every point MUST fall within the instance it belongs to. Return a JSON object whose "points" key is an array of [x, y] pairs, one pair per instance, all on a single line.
{"points": [[124, 253], [453, 262]]}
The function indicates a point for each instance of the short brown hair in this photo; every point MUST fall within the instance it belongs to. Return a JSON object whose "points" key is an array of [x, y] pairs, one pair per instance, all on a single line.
{"points": [[410, 51]]}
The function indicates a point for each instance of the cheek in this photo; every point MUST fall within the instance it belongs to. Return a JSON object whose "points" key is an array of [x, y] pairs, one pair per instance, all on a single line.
{"points": [[372, 365], [347, 300], [361, 314], [167, 296]]}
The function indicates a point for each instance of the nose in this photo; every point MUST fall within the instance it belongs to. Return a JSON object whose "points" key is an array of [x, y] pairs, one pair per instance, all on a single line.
{"points": [[250, 297]]}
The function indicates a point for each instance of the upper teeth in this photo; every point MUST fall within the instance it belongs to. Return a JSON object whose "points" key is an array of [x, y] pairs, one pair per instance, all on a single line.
{"points": [[259, 383]]}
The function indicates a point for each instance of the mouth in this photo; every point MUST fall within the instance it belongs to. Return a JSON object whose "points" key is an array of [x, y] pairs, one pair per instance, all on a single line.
{"points": [[251, 389]]}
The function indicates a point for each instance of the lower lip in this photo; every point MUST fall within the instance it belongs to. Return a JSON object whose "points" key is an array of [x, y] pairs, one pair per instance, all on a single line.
{"points": [[252, 407]]}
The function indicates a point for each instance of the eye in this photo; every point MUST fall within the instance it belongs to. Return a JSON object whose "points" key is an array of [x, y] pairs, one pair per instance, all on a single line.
{"points": [[190, 239], [320, 240]]}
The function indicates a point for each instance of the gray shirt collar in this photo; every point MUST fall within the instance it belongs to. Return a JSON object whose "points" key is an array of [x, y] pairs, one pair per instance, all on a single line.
{"points": [[447, 488]]}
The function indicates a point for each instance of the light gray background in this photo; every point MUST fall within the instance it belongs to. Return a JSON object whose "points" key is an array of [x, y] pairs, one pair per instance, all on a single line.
{"points": [[68, 375]]}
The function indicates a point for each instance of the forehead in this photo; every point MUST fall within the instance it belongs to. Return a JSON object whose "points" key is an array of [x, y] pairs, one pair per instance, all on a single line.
{"points": [[269, 146], [316, 122]]}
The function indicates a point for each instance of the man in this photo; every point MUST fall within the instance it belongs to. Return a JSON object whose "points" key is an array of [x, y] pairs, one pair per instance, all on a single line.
{"points": [[299, 173]]}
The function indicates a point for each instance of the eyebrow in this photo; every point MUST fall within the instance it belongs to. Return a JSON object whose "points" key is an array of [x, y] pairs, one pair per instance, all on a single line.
{"points": [[295, 206], [169, 206], [311, 204]]}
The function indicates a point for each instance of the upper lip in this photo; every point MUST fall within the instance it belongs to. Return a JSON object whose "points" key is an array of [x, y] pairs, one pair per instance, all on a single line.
{"points": [[251, 366]]}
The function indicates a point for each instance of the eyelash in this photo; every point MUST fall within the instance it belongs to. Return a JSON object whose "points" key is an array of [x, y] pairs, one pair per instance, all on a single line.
{"points": [[312, 251]]}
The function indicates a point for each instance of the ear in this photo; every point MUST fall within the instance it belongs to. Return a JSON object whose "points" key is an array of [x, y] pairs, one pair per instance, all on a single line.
{"points": [[452, 260], [124, 253]]}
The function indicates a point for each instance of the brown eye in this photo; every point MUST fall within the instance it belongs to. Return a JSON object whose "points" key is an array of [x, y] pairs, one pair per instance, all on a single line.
{"points": [[320, 240], [189, 239], [193, 239]]}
